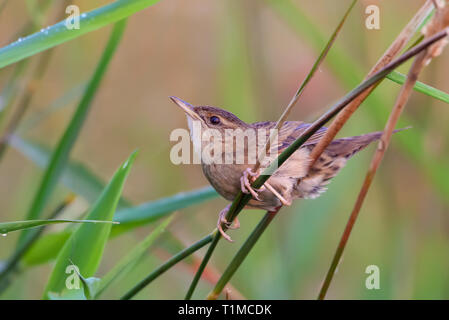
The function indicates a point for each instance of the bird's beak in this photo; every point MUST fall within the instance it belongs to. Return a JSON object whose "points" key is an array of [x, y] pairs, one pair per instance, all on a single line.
{"points": [[186, 107]]}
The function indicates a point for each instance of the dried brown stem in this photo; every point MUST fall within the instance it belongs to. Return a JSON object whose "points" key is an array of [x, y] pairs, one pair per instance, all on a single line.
{"points": [[438, 23], [397, 46]]}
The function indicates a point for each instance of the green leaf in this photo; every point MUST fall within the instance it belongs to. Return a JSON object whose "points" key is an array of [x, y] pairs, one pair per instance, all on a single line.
{"points": [[45, 248], [6, 227], [85, 246], [151, 211], [61, 153], [48, 245], [90, 286], [59, 33], [132, 257]]}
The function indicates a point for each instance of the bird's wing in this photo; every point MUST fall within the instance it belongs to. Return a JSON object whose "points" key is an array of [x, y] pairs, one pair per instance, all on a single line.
{"points": [[289, 132]]}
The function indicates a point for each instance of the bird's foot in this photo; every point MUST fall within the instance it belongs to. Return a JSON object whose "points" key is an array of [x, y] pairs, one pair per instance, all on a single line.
{"points": [[222, 220], [245, 183], [247, 178]]}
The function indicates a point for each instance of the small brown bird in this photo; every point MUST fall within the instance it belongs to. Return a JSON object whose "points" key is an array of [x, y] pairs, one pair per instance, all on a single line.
{"points": [[293, 180]]}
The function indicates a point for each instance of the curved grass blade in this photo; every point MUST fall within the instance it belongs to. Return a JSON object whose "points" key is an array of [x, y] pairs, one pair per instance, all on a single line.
{"points": [[131, 258], [168, 264], [48, 246], [151, 211], [241, 254], [399, 78], [241, 199], [6, 227], [85, 246], [59, 33], [324, 52], [349, 72], [61, 153]]}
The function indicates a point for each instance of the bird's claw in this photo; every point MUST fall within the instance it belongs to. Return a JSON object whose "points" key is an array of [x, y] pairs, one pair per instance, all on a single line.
{"points": [[245, 183], [222, 220]]}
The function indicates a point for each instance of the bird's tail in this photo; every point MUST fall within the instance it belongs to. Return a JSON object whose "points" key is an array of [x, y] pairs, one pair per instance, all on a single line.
{"points": [[331, 161]]}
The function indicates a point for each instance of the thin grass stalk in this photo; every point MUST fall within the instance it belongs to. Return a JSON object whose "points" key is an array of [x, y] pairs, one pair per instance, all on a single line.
{"points": [[168, 264], [273, 135], [302, 87], [241, 254], [24, 104], [30, 89], [58, 33], [242, 199], [420, 87], [255, 235], [378, 156], [403, 97], [394, 49], [61, 154], [13, 261], [201, 267], [13, 84]]}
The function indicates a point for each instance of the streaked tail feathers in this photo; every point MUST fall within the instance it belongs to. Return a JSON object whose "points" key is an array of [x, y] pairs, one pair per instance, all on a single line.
{"points": [[330, 162]]}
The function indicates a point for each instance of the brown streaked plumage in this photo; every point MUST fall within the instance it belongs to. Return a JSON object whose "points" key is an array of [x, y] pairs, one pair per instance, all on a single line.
{"points": [[293, 179]]}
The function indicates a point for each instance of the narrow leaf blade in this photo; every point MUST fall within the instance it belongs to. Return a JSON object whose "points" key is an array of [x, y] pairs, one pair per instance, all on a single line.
{"points": [[85, 247]]}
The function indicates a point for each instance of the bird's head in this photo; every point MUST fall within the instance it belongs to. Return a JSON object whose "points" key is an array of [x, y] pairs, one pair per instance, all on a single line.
{"points": [[209, 117]]}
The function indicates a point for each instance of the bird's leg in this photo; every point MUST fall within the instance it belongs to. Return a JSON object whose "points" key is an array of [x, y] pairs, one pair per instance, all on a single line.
{"points": [[278, 195], [222, 220], [246, 186]]}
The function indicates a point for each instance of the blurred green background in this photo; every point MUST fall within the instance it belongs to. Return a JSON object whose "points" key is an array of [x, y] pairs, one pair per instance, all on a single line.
{"points": [[247, 57]]}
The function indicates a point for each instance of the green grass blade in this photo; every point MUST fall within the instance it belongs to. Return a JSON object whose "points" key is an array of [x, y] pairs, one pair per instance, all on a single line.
{"points": [[61, 154], [6, 227], [48, 246], [85, 246], [83, 182], [58, 33], [340, 62], [420, 87], [45, 248], [350, 72], [153, 210], [168, 264], [132, 257], [241, 255]]}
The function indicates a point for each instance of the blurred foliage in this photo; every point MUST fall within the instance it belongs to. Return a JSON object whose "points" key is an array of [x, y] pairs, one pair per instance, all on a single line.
{"points": [[248, 57]]}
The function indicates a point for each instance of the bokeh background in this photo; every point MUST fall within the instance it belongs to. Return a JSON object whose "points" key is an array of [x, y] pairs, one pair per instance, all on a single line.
{"points": [[248, 57]]}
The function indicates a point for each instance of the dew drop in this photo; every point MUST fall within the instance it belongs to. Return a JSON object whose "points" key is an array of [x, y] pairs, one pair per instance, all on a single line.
{"points": [[83, 15], [19, 40]]}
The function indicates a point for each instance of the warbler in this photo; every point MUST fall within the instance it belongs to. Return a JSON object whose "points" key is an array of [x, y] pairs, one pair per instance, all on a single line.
{"points": [[294, 179]]}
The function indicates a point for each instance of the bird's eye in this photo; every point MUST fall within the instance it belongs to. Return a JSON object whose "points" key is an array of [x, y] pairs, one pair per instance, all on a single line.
{"points": [[214, 120]]}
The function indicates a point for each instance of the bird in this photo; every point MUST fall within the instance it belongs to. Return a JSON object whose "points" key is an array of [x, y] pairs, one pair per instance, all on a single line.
{"points": [[296, 178]]}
